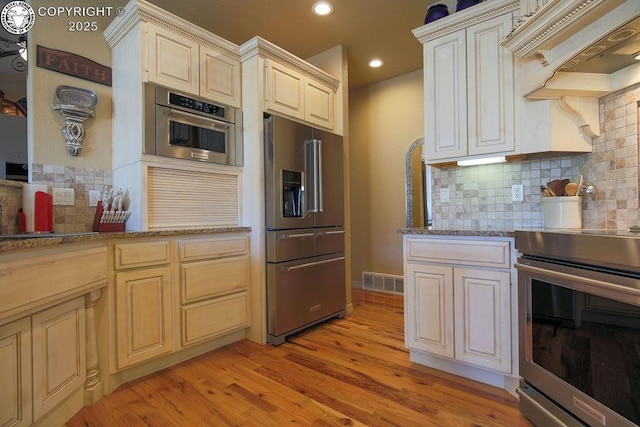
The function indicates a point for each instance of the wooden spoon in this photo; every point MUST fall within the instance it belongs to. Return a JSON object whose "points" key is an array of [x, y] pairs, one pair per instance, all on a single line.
{"points": [[571, 189]]}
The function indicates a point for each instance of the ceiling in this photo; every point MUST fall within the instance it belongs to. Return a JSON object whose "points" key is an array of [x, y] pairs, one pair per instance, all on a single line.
{"points": [[367, 28]]}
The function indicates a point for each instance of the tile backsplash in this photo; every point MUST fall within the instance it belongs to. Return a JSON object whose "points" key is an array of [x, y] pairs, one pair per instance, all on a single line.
{"points": [[66, 219], [480, 196]]}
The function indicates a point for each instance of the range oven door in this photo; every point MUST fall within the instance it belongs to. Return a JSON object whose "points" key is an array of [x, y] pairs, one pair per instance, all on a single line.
{"points": [[579, 333]]}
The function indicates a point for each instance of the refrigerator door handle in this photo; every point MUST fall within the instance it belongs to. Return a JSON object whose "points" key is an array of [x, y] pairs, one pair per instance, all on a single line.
{"points": [[311, 264], [319, 179], [311, 162]]}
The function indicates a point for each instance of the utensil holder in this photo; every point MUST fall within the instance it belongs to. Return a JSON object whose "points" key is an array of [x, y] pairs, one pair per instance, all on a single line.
{"points": [[562, 212]]}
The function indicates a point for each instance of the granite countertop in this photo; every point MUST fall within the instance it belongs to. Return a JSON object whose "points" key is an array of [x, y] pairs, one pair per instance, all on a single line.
{"points": [[27, 241], [448, 232]]}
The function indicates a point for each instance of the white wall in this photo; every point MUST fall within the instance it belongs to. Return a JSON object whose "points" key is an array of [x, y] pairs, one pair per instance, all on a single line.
{"points": [[384, 119]]}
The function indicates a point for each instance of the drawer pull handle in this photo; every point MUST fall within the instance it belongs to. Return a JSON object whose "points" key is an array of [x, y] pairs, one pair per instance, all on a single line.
{"points": [[311, 264]]}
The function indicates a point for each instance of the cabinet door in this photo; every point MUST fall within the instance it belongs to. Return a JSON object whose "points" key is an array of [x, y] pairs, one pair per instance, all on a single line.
{"points": [[483, 317], [173, 60], [319, 104], [219, 77], [15, 373], [429, 309], [143, 314], [59, 344], [284, 91], [490, 88], [445, 92]]}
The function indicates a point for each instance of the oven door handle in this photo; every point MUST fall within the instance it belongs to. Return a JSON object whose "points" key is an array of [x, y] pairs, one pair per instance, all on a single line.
{"points": [[199, 121], [584, 284]]}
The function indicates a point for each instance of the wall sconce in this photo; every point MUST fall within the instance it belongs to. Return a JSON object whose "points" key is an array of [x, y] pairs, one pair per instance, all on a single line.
{"points": [[76, 105]]}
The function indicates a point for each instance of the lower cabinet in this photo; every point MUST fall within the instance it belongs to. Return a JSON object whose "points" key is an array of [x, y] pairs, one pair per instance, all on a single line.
{"points": [[143, 314], [458, 301], [15, 373], [214, 283], [42, 362], [173, 293]]}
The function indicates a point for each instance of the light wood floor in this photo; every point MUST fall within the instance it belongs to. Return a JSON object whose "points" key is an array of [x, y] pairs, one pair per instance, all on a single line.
{"points": [[351, 371]]}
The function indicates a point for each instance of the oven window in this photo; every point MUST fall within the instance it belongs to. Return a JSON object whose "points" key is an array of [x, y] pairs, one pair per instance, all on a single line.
{"points": [[591, 342], [183, 135]]}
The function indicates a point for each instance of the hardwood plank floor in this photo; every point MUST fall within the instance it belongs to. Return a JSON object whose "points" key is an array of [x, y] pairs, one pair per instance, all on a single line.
{"points": [[352, 371]]}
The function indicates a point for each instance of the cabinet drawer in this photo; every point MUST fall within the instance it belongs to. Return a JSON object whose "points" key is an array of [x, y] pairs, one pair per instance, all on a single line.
{"points": [[130, 255], [27, 283], [206, 279], [213, 247], [209, 319], [467, 252]]}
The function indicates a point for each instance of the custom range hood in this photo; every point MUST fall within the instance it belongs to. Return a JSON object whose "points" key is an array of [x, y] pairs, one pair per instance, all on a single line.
{"points": [[579, 48]]}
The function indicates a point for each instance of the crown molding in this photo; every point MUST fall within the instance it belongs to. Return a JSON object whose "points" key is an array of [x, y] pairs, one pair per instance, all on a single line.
{"points": [[142, 11], [460, 20], [264, 48]]}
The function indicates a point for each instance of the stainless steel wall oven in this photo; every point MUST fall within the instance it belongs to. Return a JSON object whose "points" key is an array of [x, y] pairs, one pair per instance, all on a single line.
{"points": [[187, 127], [579, 327]]}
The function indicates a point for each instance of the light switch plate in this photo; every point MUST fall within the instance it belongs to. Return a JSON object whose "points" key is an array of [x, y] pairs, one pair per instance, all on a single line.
{"points": [[63, 196]]}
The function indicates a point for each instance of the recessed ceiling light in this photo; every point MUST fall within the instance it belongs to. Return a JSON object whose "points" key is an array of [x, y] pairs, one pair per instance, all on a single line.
{"points": [[375, 63], [322, 8]]}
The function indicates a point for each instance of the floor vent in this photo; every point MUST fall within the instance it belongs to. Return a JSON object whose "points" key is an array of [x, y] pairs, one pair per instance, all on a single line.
{"points": [[382, 282]]}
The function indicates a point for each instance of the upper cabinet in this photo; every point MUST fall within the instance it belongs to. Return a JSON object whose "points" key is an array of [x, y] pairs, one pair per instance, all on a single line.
{"points": [[177, 54], [290, 92], [475, 103], [469, 83], [577, 48], [292, 87]]}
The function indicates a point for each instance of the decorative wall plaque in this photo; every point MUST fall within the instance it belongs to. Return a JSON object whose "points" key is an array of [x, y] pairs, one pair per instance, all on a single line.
{"points": [[73, 65]]}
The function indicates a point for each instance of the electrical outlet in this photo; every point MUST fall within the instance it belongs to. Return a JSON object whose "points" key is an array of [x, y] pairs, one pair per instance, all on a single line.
{"points": [[94, 197], [444, 195], [63, 196], [517, 193]]}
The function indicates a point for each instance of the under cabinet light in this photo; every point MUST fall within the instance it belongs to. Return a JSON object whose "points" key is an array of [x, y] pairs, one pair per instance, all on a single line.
{"points": [[487, 161], [375, 63]]}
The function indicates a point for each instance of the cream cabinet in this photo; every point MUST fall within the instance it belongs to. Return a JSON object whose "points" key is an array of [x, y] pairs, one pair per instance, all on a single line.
{"points": [[170, 294], [42, 362], [47, 298], [15, 373], [179, 61], [458, 300], [173, 60], [292, 93], [143, 294], [59, 364], [469, 87], [214, 284]]}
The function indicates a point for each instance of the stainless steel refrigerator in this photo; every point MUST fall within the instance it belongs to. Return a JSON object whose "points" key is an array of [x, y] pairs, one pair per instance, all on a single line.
{"points": [[304, 227]]}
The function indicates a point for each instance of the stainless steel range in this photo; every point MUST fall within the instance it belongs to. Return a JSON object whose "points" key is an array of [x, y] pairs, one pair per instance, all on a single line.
{"points": [[579, 327]]}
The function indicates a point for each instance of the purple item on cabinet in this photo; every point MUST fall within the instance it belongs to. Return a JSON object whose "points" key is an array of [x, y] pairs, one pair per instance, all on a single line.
{"points": [[436, 11], [463, 4]]}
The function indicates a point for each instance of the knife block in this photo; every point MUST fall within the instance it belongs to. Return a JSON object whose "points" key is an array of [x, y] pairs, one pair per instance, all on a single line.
{"points": [[105, 227]]}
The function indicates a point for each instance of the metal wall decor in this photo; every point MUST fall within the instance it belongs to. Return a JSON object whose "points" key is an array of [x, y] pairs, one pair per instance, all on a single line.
{"points": [[76, 105]]}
